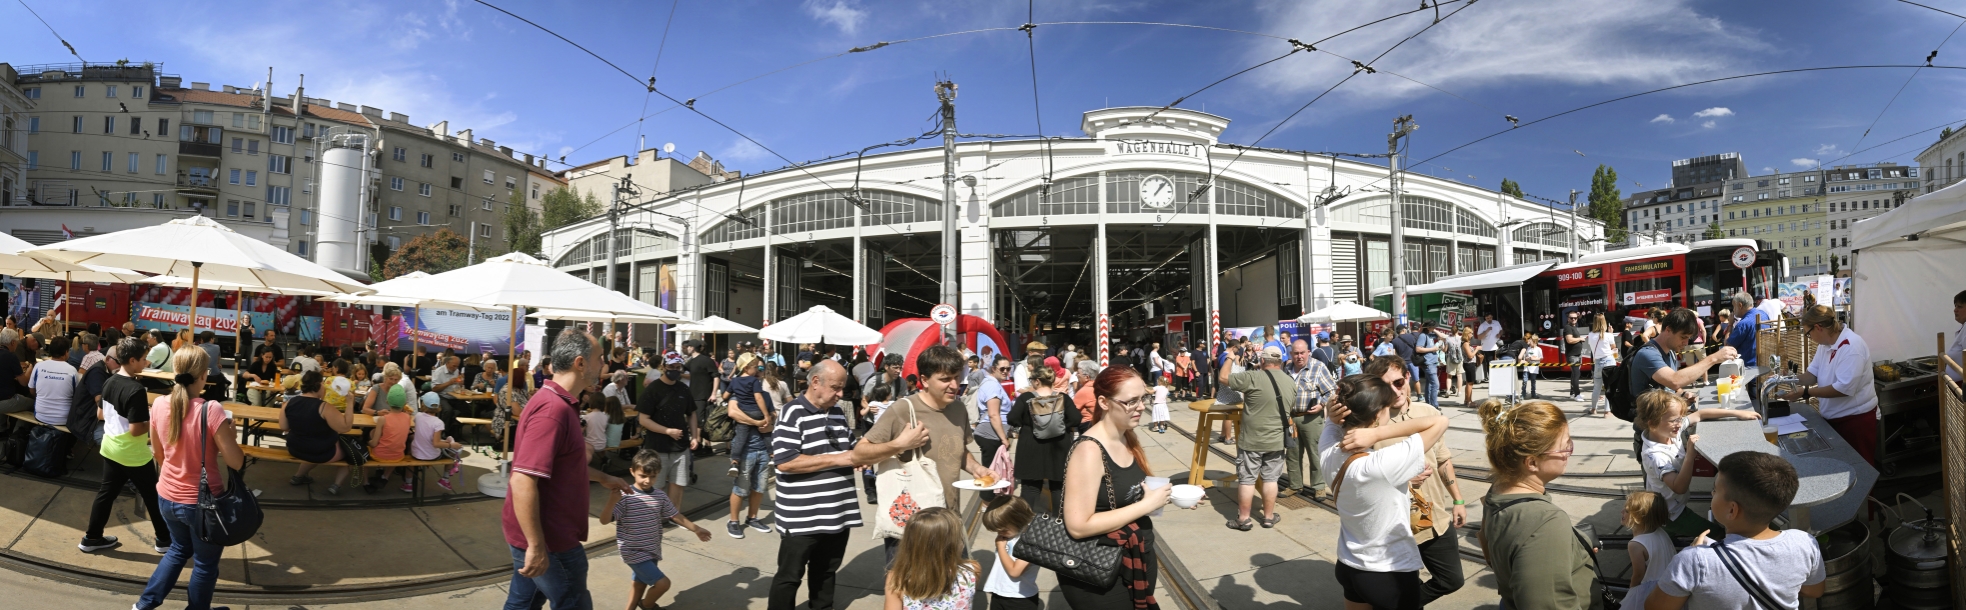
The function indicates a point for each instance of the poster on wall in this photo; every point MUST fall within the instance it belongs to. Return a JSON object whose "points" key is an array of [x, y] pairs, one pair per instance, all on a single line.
{"points": [[1842, 292], [535, 336], [170, 318], [468, 332], [1790, 294]]}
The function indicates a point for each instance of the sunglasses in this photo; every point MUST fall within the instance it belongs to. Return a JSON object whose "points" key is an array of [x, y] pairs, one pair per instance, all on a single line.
{"points": [[1397, 383], [1003, 369]]}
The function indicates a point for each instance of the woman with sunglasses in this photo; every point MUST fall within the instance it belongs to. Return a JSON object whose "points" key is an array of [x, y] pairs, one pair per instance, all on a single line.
{"points": [[1538, 560], [993, 411], [1379, 560], [1105, 495], [1839, 378]]}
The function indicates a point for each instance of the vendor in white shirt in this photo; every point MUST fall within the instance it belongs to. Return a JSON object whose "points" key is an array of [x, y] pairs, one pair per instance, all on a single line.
{"points": [[1957, 350], [1839, 379], [448, 377]]}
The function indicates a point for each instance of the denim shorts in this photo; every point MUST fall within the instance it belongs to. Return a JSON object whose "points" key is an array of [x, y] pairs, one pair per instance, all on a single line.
{"points": [[647, 573], [751, 471]]}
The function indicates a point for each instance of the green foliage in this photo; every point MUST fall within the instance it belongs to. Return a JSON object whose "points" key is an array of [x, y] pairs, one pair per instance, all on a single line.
{"points": [[563, 206], [1606, 204], [1510, 188], [1715, 232], [522, 228], [1945, 134], [431, 253]]}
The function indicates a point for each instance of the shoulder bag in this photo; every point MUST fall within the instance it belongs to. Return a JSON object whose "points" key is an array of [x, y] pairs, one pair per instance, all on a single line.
{"points": [[1047, 416], [1049, 545], [1420, 512], [229, 519], [905, 487], [1756, 592]]}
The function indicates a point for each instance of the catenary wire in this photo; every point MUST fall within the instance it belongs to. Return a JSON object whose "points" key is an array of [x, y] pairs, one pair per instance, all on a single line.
{"points": [[51, 30], [1907, 83]]}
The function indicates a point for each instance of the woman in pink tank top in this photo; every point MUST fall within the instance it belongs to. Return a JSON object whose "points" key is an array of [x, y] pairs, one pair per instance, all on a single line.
{"points": [[191, 435]]}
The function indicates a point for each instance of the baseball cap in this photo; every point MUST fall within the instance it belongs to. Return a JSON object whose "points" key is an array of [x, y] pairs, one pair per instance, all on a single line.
{"points": [[1272, 353], [671, 357], [1035, 346]]}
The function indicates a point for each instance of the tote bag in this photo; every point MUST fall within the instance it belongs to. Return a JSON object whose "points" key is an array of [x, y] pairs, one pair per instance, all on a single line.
{"points": [[906, 487]]}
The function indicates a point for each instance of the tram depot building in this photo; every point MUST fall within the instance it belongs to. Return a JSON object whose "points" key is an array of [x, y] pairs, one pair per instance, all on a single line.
{"points": [[1123, 240]]}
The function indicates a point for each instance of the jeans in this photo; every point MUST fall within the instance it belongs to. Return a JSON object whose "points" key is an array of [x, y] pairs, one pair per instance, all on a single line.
{"points": [[819, 553], [564, 582], [203, 556], [751, 473], [144, 478], [1576, 372], [1430, 384], [1528, 389], [1442, 556], [1298, 478], [1597, 385]]}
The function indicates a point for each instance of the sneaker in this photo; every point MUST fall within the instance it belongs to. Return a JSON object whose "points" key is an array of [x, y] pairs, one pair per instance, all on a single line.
{"points": [[299, 480], [334, 490], [1576, 397], [409, 487], [758, 525], [735, 529], [444, 483], [161, 549], [732, 472], [91, 545], [452, 471]]}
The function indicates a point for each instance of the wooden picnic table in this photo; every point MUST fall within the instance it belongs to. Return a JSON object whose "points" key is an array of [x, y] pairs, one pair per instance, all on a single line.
{"points": [[158, 374], [252, 420]]}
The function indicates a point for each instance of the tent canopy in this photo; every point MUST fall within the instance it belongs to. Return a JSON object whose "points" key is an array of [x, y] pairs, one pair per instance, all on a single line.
{"points": [[180, 247], [1513, 275], [820, 325], [714, 325], [589, 316], [1903, 290], [1344, 311]]}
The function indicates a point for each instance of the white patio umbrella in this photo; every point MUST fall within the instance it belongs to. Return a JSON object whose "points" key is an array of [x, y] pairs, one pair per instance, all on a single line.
{"points": [[821, 325], [89, 273], [13, 262], [590, 316], [1344, 311], [203, 249], [714, 325], [238, 302]]}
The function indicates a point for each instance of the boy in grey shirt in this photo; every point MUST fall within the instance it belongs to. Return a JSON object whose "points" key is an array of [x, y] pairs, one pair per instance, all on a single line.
{"points": [[1778, 567]]}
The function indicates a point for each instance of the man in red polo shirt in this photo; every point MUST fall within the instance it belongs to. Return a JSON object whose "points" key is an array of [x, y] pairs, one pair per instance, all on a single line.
{"points": [[546, 504]]}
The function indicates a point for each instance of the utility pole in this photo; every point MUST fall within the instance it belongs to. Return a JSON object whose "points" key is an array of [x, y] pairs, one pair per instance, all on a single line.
{"points": [[1573, 225], [951, 278], [626, 186], [1402, 126]]}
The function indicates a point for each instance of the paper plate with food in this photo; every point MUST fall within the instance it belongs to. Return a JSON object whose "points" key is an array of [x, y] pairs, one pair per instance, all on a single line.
{"points": [[983, 483]]}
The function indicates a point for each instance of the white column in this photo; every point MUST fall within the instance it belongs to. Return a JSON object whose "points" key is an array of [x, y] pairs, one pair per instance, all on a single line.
{"points": [[977, 276], [771, 276], [1214, 275], [859, 295], [1504, 250], [1318, 249], [1100, 307]]}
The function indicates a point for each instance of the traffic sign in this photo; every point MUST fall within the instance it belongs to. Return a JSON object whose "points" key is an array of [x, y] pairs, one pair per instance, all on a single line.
{"points": [[1743, 257], [943, 314]]}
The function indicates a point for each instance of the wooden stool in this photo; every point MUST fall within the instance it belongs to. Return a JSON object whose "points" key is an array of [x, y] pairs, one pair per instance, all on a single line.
{"points": [[1209, 413]]}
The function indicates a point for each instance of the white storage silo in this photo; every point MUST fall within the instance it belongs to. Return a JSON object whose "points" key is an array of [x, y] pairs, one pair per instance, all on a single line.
{"points": [[340, 196]]}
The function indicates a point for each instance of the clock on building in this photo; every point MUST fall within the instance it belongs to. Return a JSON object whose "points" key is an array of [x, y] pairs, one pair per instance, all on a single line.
{"points": [[1156, 191]]}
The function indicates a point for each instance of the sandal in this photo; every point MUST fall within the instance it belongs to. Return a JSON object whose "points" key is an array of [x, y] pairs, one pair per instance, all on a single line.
{"points": [[1241, 526], [1271, 521]]}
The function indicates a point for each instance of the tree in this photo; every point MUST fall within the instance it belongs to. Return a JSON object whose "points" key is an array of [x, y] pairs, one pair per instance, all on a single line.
{"points": [[522, 227], [1606, 204], [431, 253], [1510, 188], [563, 206], [1714, 231], [1945, 134]]}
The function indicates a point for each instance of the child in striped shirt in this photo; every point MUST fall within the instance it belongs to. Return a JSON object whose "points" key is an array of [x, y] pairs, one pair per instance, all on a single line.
{"points": [[641, 512]]}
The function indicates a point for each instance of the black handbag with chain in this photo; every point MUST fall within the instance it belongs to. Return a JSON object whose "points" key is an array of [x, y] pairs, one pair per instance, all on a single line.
{"points": [[1049, 545], [228, 519]]}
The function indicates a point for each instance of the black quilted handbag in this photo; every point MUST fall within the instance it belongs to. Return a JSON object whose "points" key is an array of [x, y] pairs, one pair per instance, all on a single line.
{"points": [[1048, 544], [229, 519]]}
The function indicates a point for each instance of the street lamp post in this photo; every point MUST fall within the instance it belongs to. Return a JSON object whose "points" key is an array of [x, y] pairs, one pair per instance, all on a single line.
{"points": [[1402, 126]]}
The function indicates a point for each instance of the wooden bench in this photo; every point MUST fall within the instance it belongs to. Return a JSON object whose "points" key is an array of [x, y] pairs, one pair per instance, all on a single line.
{"points": [[272, 454], [28, 417]]}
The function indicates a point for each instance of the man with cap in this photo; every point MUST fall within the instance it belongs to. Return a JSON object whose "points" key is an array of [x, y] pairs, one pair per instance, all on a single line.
{"points": [[1268, 393], [1324, 354], [1350, 360], [667, 410], [1021, 375]]}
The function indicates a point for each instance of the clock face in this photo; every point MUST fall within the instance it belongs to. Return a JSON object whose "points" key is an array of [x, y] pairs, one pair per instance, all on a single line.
{"points": [[1156, 192]]}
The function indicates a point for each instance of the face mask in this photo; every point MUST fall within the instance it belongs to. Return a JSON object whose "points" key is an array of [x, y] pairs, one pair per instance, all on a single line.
{"points": [[672, 375]]}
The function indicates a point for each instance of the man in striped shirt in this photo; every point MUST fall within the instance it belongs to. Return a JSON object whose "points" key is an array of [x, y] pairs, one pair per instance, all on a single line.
{"points": [[816, 502]]}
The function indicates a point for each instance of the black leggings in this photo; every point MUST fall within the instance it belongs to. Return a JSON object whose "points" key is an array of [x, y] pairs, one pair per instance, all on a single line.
{"points": [[1032, 491], [1383, 590]]}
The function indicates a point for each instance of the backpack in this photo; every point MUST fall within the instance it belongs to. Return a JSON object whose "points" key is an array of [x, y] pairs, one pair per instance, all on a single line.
{"points": [[13, 449], [47, 452], [718, 427], [1617, 388], [1047, 416]]}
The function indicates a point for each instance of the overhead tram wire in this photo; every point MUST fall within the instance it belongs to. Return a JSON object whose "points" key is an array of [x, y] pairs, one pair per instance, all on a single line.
{"points": [[51, 30], [661, 44], [1037, 109], [1908, 79]]}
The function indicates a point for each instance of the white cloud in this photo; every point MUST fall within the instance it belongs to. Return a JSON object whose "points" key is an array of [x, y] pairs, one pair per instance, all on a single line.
{"points": [[1663, 118], [1769, 169], [842, 14], [1525, 44], [1714, 112], [1829, 150], [743, 150], [1708, 124], [1803, 162]]}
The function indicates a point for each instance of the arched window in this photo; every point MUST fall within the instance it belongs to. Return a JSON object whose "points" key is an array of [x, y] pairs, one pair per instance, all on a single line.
{"points": [[1469, 224], [889, 208], [1074, 195], [1240, 199], [1418, 213], [628, 242], [1544, 233], [748, 224]]}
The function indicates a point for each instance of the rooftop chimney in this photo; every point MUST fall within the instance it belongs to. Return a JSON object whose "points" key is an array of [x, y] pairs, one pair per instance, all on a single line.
{"points": [[372, 111], [441, 129], [399, 117], [231, 89], [506, 150], [344, 106], [528, 158], [464, 137], [201, 86]]}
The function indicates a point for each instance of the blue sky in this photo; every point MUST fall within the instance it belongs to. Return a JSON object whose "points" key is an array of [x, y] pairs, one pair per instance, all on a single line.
{"points": [[460, 61]]}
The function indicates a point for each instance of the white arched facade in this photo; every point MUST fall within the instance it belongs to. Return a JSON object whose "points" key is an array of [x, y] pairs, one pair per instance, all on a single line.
{"points": [[793, 221]]}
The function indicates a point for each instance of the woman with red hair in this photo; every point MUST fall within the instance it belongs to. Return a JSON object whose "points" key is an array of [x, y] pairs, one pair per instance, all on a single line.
{"points": [[1105, 497]]}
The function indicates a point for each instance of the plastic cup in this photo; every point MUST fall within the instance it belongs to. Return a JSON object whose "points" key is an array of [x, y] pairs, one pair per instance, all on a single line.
{"points": [[1154, 483]]}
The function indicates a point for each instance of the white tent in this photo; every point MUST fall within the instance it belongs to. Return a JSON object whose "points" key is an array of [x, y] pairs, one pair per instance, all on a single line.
{"points": [[714, 325], [1343, 311], [821, 325], [1908, 264], [590, 316]]}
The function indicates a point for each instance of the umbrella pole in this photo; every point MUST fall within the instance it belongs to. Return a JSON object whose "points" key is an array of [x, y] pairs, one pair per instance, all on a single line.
{"points": [[418, 313], [195, 268], [512, 351], [238, 333], [67, 300]]}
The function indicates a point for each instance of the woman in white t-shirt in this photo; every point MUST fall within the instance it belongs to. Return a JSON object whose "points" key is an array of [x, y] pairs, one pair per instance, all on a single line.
{"points": [[1602, 344], [1378, 560]]}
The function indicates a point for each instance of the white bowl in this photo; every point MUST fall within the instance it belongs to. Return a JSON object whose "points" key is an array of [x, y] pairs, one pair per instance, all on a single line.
{"points": [[1186, 496]]}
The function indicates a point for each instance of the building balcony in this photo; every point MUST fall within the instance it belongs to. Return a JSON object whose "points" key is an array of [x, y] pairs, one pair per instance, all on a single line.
{"points": [[196, 185], [199, 149]]}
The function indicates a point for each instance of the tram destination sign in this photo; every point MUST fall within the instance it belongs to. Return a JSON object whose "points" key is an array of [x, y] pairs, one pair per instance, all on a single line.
{"points": [[1645, 267]]}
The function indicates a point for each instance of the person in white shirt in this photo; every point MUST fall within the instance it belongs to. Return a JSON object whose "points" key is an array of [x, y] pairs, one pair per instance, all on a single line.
{"points": [[618, 387], [1958, 348], [1839, 378], [1602, 345], [306, 360], [1490, 334], [1378, 560], [447, 377]]}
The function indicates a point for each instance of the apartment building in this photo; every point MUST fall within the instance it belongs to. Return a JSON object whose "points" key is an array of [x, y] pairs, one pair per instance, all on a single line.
{"points": [[1944, 161], [112, 147], [1856, 192], [15, 109], [1785, 210], [1674, 214]]}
